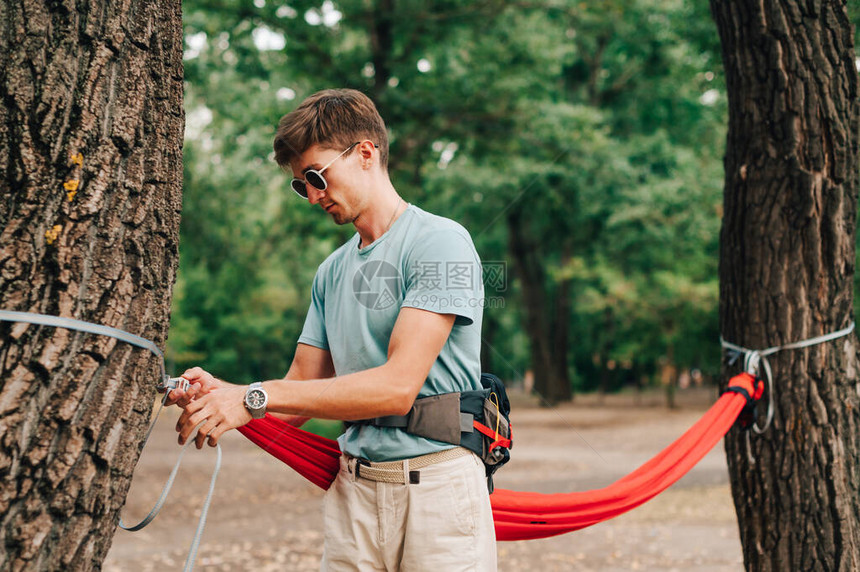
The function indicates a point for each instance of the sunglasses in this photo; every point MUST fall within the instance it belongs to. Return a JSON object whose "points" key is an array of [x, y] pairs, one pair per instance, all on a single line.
{"points": [[315, 178]]}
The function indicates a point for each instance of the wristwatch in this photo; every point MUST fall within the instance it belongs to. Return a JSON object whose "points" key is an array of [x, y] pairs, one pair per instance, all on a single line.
{"points": [[256, 399]]}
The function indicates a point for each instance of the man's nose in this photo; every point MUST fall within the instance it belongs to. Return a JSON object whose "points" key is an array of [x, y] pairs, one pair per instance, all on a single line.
{"points": [[314, 194]]}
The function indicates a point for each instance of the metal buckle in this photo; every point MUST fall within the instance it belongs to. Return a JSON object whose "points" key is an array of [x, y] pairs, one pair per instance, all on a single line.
{"points": [[171, 383]]}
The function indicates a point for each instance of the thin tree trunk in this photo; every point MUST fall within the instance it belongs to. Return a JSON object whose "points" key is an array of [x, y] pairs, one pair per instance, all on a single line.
{"points": [[488, 335], [533, 302], [563, 390], [381, 29], [606, 337], [786, 269], [90, 177], [536, 304]]}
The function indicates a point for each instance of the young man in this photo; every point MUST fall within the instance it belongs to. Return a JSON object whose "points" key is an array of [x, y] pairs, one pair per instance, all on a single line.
{"points": [[395, 314]]}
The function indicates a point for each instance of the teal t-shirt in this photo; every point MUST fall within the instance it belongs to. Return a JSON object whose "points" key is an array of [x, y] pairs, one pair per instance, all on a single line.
{"points": [[423, 261]]}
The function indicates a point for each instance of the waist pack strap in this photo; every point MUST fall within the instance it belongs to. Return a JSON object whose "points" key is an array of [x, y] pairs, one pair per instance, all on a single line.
{"points": [[467, 421], [396, 421], [437, 417]]}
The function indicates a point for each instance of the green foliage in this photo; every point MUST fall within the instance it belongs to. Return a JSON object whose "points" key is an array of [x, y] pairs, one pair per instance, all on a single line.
{"points": [[601, 124], [324, 428]]}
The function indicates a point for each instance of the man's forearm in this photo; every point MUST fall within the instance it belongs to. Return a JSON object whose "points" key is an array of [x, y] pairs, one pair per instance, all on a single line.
{"points": [[370, 393], [301, 370]]}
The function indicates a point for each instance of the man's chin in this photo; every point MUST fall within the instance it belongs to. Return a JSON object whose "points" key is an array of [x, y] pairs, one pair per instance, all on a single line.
{"points": [[340, 219]]}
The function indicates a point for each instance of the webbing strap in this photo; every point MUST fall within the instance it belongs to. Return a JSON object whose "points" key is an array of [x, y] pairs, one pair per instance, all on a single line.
{"points": [[165, 382], [82, 326], [755, 358], [195, 543], [748, 385], [741, 391], [498, 440], [394, 421], [402, 421]]}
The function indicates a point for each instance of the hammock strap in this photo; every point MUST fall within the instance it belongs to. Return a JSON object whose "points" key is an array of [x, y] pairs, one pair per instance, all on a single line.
{"points": [[754, 360], [165, 383]]}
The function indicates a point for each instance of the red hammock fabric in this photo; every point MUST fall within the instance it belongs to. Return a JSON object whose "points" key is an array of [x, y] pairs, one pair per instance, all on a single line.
{"points": [[526, 515]]}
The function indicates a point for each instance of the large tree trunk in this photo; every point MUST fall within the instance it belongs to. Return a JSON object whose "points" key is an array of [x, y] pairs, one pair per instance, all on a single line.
{"points": [[786, 268], [91, 132]]}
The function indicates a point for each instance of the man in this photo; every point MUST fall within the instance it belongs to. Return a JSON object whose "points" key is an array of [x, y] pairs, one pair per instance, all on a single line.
{"points": [[395, 314]]}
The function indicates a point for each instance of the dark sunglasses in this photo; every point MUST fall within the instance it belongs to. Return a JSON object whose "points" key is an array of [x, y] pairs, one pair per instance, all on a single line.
{"points": [[315, 178]]}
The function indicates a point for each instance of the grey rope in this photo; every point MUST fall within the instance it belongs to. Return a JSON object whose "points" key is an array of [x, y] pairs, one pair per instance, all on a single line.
{"points": [[165, 383], [753, 359]]}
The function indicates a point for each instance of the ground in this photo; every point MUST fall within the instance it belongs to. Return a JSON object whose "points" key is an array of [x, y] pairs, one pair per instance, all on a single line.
{"points": [[265, 518]]}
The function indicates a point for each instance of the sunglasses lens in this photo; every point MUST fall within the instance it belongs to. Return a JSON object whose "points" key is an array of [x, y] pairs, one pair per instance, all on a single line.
{"points": [[299, 187], [316, 179]]}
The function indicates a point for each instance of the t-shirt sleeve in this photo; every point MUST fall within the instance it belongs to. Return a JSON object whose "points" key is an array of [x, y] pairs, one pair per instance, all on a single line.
{"points": [[443, 275], [314, 332]]}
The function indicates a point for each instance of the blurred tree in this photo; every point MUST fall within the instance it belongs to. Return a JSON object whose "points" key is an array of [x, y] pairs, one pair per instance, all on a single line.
{"points": [[786, 274], [90, 134]]}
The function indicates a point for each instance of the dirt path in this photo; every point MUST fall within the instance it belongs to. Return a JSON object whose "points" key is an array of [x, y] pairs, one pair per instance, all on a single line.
{"points": [[266, 518]]}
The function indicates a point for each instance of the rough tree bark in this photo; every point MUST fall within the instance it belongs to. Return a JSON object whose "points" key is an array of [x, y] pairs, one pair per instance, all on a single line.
{"points": [[786, 267], [91, 128]]}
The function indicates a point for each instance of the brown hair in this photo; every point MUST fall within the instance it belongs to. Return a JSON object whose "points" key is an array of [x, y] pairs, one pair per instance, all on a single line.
{"points": [[334, 119]]}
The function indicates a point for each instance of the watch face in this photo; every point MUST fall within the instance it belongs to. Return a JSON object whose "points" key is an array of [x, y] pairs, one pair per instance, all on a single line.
{"points": [[255, 399]]}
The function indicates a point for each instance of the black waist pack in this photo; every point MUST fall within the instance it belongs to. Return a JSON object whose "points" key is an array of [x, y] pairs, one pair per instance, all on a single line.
{"points": [[477, 420]]}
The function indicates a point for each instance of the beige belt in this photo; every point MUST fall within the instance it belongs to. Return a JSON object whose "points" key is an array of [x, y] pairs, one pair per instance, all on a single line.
{"points": [[401, 472]]}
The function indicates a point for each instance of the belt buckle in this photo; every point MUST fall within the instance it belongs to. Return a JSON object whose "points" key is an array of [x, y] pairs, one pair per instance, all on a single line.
{"points": [[358, 463]]}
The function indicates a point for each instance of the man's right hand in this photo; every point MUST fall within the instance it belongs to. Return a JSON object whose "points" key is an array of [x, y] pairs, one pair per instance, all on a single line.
{"points": [[200, 383]]}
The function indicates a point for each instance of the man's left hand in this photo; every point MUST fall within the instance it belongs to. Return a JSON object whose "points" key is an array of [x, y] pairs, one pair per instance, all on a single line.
{"points": [[219, 411]]}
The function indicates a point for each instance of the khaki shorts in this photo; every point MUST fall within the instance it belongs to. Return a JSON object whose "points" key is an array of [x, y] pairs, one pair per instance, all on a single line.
{"points": [[442, 524]]}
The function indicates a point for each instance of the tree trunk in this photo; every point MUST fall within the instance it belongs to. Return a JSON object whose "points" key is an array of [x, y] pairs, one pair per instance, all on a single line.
{"points": [[90, 177], [549, 385], [606, 337], [786, 268], [381, 30], [560, 328], [488, 340]]}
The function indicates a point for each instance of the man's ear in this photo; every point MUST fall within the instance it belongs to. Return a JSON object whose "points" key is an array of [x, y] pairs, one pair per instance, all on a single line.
{"points": [[367, 151]]}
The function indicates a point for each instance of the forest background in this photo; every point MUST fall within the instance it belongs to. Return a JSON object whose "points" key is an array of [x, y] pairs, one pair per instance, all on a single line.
{"points": [[580, 143]]}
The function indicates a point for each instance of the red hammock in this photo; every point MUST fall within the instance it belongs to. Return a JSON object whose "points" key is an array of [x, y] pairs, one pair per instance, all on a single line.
{"points": [[525, 515]]}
